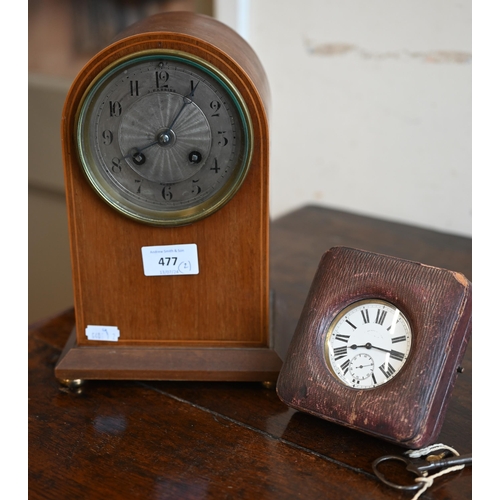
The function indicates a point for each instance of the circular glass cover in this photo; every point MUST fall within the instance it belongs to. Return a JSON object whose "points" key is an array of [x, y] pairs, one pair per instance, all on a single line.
{"points": [[368, 343], [164, 137]]}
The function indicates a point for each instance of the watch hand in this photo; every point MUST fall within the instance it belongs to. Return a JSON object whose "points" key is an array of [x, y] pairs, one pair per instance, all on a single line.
{"points": [[369, 346]]}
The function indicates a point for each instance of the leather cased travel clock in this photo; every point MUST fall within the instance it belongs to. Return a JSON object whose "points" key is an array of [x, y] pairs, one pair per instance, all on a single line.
{"points": [[378, 345], [166, 157]]}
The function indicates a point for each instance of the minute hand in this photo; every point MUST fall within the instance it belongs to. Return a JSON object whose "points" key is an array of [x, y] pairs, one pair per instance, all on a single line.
{"points": [[187, 100]]}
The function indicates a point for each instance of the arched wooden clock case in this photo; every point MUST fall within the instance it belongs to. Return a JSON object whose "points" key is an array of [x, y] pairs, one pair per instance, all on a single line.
{"points": [[210, 326]]}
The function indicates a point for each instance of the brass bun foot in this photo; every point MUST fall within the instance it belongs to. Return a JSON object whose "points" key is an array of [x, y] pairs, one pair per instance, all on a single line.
{"points": [[71, 383], [269, 385]]}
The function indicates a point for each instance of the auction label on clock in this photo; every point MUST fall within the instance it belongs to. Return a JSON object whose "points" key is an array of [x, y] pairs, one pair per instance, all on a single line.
{"points": [[168, 260], [101, 332]]}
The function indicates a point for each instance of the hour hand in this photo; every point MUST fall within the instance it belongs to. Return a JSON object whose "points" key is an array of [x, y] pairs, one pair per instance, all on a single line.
{"points": [[368, 345], [137, 153]]}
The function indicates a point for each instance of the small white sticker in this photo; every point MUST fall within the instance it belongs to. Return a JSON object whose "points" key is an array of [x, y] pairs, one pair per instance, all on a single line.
{"points": [[170, 260], [98, 332]]}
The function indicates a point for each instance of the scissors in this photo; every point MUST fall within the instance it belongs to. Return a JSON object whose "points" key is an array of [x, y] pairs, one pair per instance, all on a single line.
{"points": [[420, 466]]}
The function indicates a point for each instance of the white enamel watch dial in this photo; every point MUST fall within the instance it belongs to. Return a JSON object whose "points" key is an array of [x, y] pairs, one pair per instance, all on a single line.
{"points": [[368, 343], [164, 137]]}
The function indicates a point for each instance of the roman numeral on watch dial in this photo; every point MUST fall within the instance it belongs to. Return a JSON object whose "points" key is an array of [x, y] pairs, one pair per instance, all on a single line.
{"points": [[380, 316], [342, 338], [397, 355], [366, 315], [401, 338], [340, 352], [387, 369]]}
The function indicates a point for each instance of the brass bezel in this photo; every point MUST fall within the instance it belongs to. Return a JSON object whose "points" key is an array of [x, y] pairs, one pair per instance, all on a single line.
{"points": [[168, 217], [335, 322]]}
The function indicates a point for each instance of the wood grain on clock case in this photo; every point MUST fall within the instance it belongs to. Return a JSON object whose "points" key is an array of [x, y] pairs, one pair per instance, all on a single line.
{"points": [[410, 408], [227, 304]]}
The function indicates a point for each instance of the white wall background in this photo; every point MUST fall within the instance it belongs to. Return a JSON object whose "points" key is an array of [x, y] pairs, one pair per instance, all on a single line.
{"points": [[371, 105]]}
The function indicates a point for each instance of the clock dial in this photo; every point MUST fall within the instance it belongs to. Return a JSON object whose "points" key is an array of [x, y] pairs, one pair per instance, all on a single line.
{"points": [[368, 343], [164, 137]]}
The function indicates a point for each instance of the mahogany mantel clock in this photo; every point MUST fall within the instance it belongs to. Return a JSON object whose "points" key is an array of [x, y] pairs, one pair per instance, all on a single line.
{"points": [[166, 159]]}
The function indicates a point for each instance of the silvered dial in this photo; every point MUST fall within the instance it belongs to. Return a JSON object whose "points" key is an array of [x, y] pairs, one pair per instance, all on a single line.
{"points": [[164, 137], [368, 343]]}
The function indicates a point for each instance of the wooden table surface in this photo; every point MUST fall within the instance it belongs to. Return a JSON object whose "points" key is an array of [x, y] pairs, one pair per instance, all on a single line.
{"points": [[154, 440]]}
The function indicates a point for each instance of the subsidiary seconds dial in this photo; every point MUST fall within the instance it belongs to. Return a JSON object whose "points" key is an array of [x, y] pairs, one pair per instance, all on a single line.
{"points": [[164, 137], [368, 343]]}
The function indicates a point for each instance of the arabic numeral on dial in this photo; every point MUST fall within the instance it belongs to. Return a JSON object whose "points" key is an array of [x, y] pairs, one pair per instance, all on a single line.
{"points": [[107, 137], [161, 79], [116, 165], [223, 139], [166, 193], [196, 188], [139, 184], [115, 108], [216, 167], [215, 106]]}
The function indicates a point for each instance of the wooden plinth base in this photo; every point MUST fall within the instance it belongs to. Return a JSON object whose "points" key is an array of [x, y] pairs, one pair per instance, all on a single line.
{"points": [[166, 363]]}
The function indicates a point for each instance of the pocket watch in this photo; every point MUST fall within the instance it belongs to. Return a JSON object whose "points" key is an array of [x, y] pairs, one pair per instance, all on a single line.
{"points": [[368, 343], [378, 345]]}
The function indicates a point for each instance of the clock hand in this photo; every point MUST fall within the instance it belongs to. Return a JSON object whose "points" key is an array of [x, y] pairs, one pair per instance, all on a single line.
{"points": [[187, 100], [136, 153], [369, 346], [165, 136]]}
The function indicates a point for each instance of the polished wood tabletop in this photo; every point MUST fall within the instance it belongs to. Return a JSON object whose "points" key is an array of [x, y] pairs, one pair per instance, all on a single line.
{"points": [[155, 440]]}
